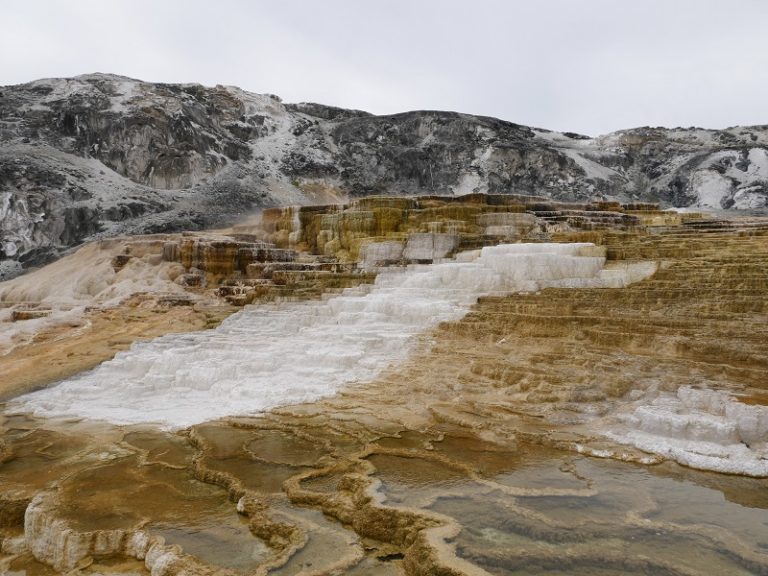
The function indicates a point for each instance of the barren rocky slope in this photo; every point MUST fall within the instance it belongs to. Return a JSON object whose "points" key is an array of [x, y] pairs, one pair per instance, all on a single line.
{"points": [[101, 155]]}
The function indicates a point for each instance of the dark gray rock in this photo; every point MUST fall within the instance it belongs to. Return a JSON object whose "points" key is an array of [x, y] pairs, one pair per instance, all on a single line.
{"points": [[99, 155]]}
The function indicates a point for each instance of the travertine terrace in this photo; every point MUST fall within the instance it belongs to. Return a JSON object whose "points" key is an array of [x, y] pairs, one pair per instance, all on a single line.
{"points": [[543, 432]]}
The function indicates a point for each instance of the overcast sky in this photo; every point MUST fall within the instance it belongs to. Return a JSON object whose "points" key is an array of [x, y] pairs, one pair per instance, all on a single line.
{"points": [[589, 66]]}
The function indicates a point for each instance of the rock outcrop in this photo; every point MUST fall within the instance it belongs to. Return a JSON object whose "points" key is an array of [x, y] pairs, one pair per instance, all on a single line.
{"points": [[101, 155]]}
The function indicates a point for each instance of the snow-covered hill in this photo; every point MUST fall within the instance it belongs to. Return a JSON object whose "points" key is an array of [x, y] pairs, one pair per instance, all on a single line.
{"points": [[99, 155]]}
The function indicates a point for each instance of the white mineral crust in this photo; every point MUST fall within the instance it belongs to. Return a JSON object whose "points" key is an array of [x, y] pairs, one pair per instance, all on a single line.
{"points": [[274, 355]]}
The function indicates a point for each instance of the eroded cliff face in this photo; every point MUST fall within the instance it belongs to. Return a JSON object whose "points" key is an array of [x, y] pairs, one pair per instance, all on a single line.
{"points": [[101, 155]]}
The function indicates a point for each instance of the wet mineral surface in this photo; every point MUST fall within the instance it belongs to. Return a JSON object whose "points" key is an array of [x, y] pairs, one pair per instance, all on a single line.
{"points": [[323, 490]]}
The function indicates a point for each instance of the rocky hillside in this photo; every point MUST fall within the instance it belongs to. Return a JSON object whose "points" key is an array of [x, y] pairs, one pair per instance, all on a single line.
{"points": [[100, 155]]}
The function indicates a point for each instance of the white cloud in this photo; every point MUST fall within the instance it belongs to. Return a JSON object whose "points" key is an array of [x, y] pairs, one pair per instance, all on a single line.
{"points": [[590, 65]]}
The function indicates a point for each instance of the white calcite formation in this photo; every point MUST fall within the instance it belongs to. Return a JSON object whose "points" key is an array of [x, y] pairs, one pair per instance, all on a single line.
{"points": [[507, 224], [376, 254], [429, 246], [273, 355], [705, 429], [52, 541], [87, 278]]}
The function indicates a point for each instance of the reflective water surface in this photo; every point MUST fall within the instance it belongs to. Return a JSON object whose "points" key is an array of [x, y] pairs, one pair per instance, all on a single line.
{"points": [[317, 493]]}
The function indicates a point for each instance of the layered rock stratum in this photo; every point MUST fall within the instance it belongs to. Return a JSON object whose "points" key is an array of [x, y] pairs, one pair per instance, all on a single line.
{"points": [[570, 426], [101, 155]]}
